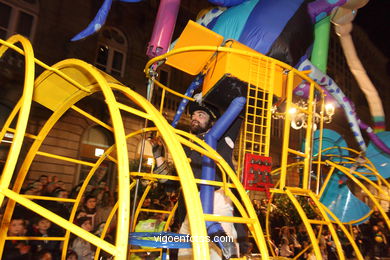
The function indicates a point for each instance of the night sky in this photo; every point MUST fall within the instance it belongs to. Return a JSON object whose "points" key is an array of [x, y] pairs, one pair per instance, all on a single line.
{"points": [[374, 18]]}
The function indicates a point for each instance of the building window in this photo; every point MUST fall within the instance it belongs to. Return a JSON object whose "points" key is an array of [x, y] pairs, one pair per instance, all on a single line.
{"points": [[277, 129], [18, 17], [164, 77], [111, 53]]}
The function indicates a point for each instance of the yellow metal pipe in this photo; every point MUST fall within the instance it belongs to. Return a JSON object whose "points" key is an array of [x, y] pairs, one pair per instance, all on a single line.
{"points": [[105, 229], [210, 217], [140, 204], [47, 198], [23, 109], [170, 216], [297, 153], [286, 131], [321, 127], [92, 118], [306, 222], [122, 156], [249, 54], [155, 210], [309, 139], [35, 238], [197, 223], [366, 190], [347, 234], [43, 65], [23, 114], [10, 119], [134, 111], [172, 91], [328, 222], [67, 159], [162, 100], [31, 136]]}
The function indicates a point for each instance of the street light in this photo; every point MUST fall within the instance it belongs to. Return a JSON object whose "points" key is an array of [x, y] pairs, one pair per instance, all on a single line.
{"points": [[299, 117]]}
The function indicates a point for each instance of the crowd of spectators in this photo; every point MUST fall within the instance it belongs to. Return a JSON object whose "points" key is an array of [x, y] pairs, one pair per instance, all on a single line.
{"points": [[91, 215], [96, 205], [372, 237]]}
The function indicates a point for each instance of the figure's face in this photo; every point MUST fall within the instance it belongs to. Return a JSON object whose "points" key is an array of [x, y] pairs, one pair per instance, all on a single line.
{"points": [[200, 122], [16, 227]]}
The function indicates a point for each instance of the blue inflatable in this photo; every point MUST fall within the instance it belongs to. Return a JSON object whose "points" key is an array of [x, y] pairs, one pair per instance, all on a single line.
{"points": [[333, 143], [281, 29], [378, 157], [339, 199]]}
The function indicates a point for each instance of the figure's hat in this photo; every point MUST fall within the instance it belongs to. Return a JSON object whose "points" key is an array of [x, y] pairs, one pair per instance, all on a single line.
{"points": [[212, 111]]}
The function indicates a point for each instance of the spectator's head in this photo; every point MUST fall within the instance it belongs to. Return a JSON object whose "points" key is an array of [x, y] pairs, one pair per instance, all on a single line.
{"points": [[44, 254], [246, 248], [60, 193], [17, 227], [36, 186], [85, 223], [284, 241], [285, 230], [381, 223], [71, 255], [202, 117], [42, 224], [43, 179], [54, 178], [355, 230], [147, 203], [103, 184], [159, 215], [90, 202], [53, 184]]}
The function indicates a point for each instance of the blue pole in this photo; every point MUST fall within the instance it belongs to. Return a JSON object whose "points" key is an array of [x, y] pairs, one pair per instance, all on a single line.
{"points": [[208, 165]]}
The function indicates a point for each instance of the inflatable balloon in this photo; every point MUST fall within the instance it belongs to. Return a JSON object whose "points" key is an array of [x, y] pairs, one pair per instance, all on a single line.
{"points": [[379, 158], [96, 23], [320, 9], [226, 3], [337, 94], [354, 122], [162, 31], [342, 19], [99, 19], [163, 28], [340, 200], [281, 29]]}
